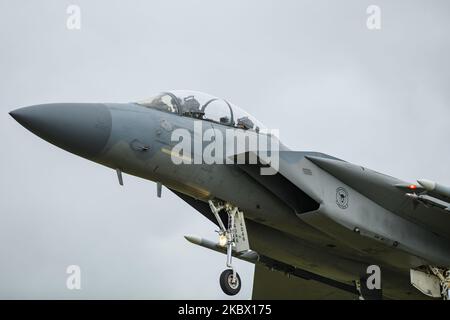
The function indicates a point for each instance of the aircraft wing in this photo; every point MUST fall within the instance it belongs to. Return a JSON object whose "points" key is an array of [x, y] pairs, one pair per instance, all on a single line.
{"points": [[407, 200], [427, 208]]}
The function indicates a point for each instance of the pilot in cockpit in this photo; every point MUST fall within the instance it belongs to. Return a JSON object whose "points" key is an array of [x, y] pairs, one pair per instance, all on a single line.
{"points": [[164, 102], [245, 123], [191, 107]]}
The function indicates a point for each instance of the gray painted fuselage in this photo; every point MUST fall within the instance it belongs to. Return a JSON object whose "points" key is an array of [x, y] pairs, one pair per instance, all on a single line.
{"points": [[323, 241]]}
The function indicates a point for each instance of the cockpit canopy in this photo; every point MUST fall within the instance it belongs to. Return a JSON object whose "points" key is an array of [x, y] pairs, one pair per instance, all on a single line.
{"points": [[203, 106]]}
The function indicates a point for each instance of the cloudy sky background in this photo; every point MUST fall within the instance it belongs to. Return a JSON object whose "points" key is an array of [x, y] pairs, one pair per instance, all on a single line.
{"points": [[309, 68]]}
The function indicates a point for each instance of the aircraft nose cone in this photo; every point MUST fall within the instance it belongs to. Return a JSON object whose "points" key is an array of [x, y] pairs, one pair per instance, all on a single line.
{"points": [[80, 128]]}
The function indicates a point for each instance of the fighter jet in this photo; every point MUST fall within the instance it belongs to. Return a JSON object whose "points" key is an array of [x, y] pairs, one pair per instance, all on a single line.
{"points": [[315, 226]]}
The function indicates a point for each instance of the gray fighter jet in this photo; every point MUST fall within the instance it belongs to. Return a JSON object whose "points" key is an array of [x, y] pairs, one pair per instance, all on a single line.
{"points": [[315, 226]]}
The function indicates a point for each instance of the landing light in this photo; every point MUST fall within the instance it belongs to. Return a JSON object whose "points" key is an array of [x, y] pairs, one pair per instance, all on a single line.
{"points": [[223, 240]]}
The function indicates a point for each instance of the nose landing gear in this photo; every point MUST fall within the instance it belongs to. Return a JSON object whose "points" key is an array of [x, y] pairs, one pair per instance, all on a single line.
{"points": [[234, 237], [230, 282]]}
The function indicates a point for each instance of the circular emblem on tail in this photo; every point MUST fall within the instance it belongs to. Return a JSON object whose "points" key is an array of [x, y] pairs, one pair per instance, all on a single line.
{"points": [[342, 198]]}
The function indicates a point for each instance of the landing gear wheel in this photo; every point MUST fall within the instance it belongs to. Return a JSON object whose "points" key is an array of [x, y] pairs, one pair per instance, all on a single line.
{"points": [[227, 284]]}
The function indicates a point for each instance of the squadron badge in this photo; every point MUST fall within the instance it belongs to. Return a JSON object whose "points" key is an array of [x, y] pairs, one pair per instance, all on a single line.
{"points": [[342, 198]]}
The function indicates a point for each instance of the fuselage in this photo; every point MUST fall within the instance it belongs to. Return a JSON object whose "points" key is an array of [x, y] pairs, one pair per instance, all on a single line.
{"points": [[139, 140], [279, 232]]}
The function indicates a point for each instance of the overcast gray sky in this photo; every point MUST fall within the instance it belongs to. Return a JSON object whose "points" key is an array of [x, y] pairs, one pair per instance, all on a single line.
{"points": [[309, 68]]}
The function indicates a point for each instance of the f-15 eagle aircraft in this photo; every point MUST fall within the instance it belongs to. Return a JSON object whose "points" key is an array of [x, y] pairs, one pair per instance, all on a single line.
{"points": [[315, 226]]}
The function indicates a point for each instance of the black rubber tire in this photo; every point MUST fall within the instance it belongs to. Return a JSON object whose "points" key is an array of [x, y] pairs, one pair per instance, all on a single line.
{"points": [[225, 279]]}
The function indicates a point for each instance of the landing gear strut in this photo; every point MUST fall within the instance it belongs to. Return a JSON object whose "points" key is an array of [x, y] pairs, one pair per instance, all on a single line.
{"points": [[234, 237], [444, 279], [432, 281]]}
